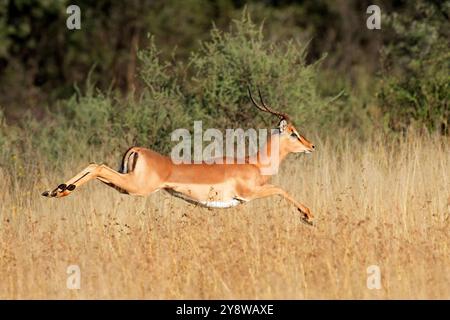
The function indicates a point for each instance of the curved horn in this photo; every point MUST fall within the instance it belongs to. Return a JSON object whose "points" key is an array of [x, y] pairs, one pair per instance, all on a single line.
{"points": [[265, 108], [281, 115], [254, 102]]}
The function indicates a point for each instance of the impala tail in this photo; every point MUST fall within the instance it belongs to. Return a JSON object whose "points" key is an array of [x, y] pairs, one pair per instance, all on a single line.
{"points": [[129, 160]]}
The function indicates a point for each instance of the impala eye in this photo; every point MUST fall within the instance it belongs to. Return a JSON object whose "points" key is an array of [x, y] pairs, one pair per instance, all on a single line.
{"points": [[293, 135]]}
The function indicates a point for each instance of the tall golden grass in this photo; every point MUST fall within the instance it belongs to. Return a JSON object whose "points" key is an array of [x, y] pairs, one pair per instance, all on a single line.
{"points": [[383, 203]]}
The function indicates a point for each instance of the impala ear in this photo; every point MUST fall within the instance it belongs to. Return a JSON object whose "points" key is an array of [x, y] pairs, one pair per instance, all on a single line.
{"points": [[283, 125]]}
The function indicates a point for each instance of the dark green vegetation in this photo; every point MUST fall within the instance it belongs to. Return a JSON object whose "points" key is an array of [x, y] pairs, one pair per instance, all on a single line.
{"points": [[139, 69]]}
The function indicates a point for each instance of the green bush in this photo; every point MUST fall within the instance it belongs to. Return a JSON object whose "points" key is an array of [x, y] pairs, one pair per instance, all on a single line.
{"points": [[229, 62], [415, 86]]}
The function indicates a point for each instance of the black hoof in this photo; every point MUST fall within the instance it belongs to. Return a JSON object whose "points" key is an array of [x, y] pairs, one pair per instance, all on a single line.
{"points": [[71, 187], [45, 193], [307, 221], [62, 187], [53, 194]]}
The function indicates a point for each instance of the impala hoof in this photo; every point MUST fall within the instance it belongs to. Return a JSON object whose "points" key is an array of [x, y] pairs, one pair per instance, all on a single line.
{"points": [[62, 187], [71, 187], [53, 194], [307, 221], [307, 217], [45, 193]]}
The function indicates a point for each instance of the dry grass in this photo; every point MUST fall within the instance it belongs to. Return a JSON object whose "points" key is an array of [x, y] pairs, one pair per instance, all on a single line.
{"points": [[384, 204]]}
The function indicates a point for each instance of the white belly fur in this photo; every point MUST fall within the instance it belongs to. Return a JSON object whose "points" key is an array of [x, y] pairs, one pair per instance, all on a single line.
{"points": [[221, 204], [210, 204]]}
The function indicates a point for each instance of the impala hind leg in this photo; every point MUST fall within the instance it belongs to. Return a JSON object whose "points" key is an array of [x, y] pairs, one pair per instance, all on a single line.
{"points": [[124, 182], [271, 190]]}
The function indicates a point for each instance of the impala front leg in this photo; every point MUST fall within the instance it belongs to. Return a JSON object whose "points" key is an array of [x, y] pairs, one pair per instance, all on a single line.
{"points": [[270, 190]]}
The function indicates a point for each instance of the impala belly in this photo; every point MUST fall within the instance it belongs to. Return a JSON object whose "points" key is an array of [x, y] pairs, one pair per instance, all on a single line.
{"points": [[211, 196], [222, 204]]}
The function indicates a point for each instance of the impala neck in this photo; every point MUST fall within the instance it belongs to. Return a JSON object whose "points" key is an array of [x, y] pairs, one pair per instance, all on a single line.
{"points": [[266, 156]]}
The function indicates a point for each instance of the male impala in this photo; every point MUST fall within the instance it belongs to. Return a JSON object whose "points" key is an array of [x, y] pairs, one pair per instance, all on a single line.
{"points": [[144, 171]]}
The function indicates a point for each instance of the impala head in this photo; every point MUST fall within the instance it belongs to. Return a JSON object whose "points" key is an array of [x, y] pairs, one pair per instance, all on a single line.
{"points": [[290, 139]]}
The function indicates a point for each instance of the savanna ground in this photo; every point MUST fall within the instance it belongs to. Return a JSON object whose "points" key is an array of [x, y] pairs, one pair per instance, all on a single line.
{"points": [[383, 202]]}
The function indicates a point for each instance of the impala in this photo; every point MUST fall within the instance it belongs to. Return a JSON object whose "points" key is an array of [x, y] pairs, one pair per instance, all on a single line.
{"points": [[224, 185]]}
